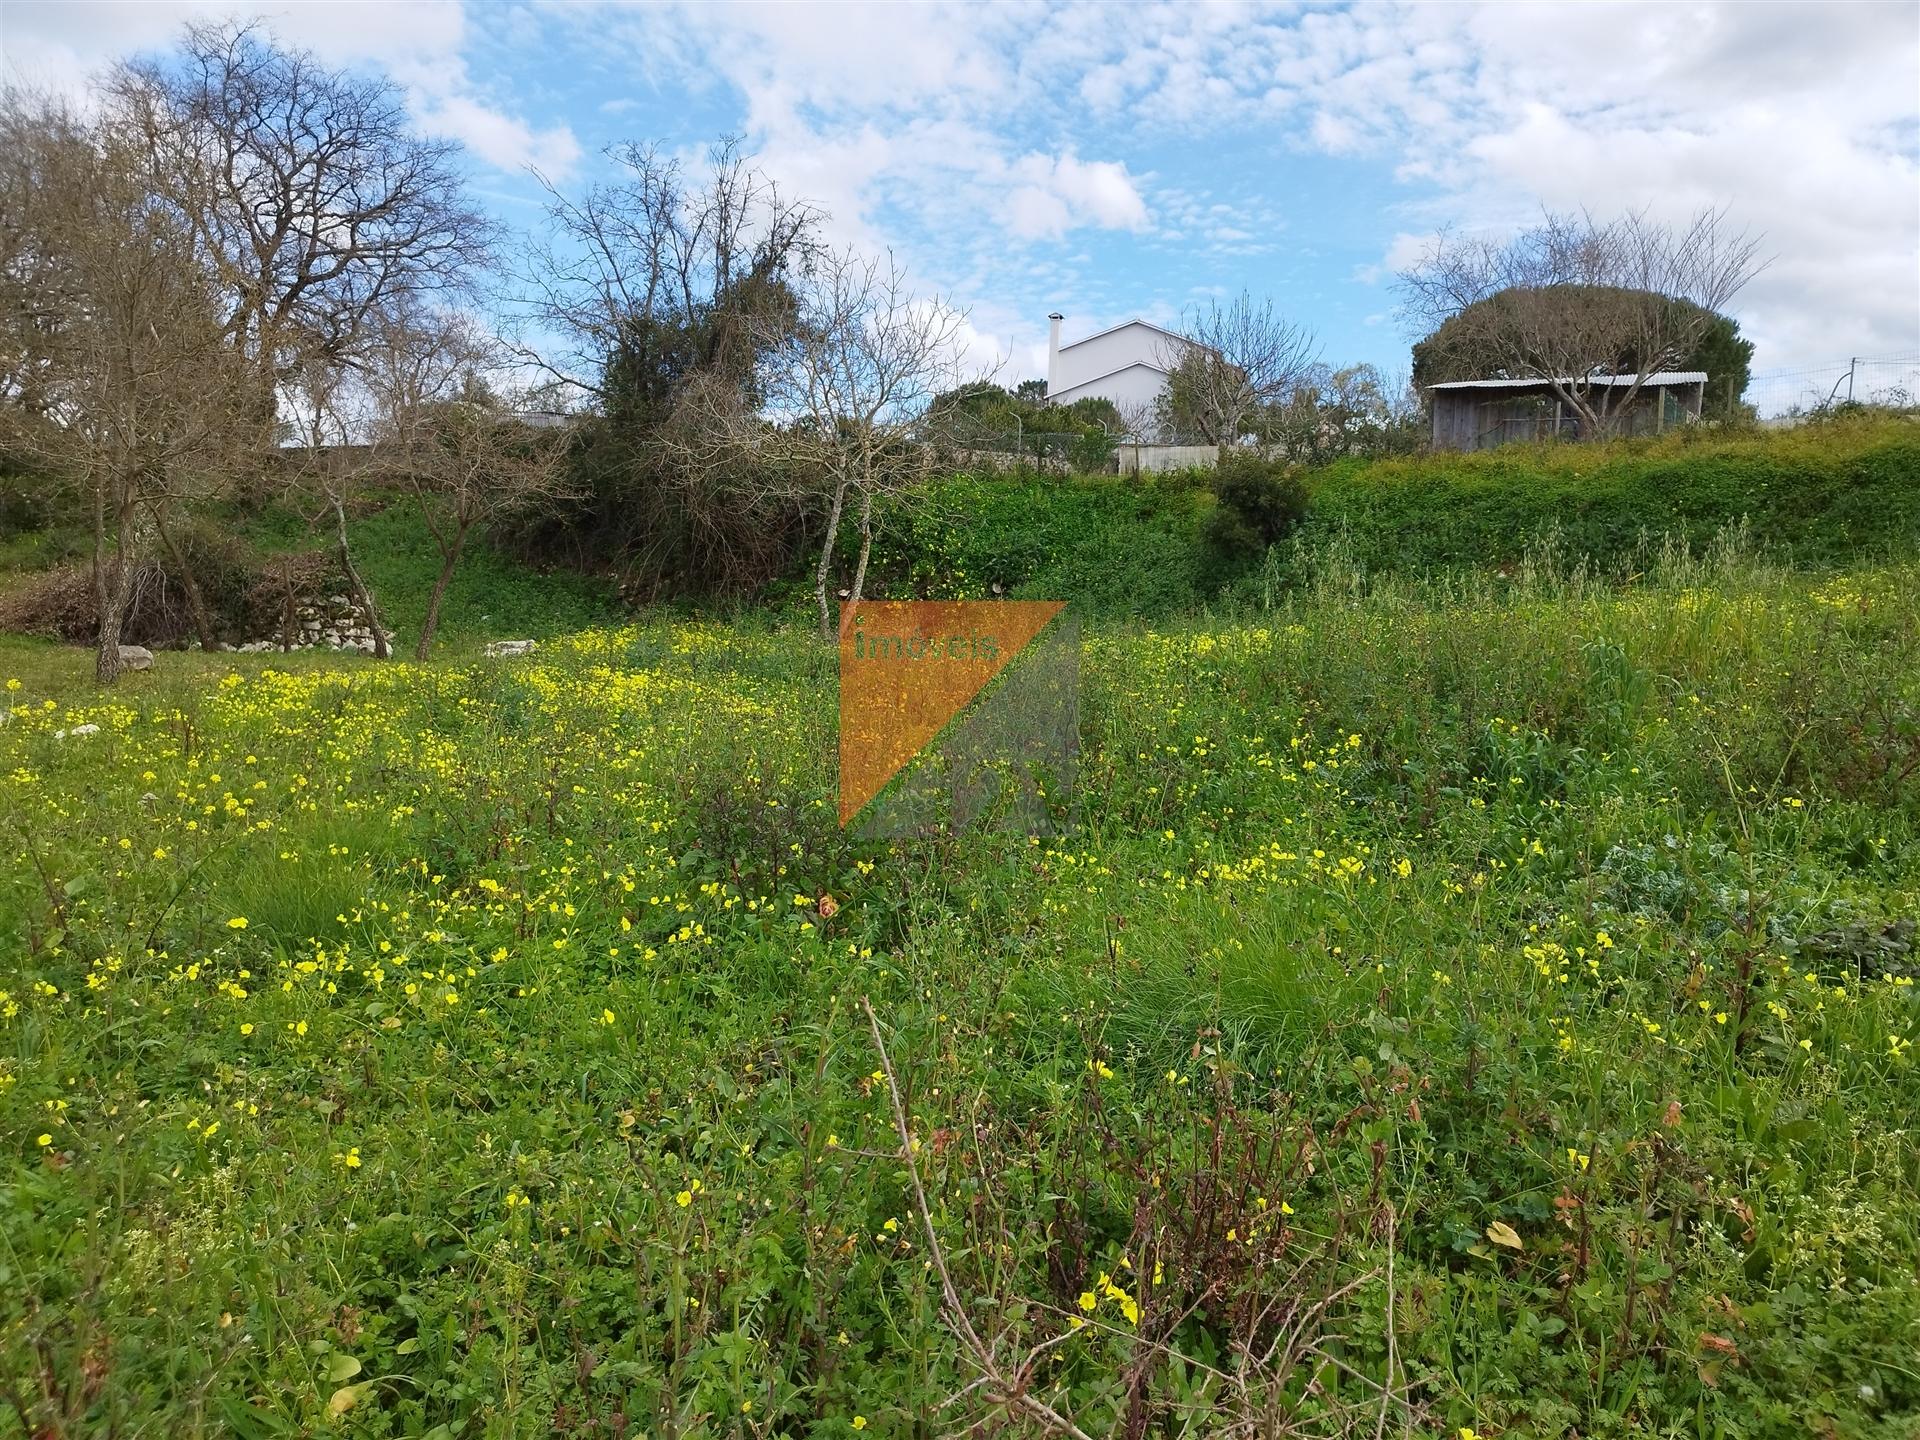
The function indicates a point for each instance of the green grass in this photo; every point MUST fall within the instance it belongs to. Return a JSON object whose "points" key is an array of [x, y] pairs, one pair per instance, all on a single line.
{"points": [[1504, 993], [491, 596], [1117, 549], [1822, 493]]}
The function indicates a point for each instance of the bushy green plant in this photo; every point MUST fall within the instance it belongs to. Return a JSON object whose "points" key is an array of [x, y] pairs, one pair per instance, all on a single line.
{"points": [[1110, 546], [1258, 501]]}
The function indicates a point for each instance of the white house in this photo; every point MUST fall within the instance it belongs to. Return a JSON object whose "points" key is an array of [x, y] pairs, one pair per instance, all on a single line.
{"points": [[1126, 364]]}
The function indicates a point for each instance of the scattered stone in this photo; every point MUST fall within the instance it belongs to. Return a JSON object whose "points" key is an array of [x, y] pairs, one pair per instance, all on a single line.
{"points": [[135, 657], [500, 649], [77, 731]]}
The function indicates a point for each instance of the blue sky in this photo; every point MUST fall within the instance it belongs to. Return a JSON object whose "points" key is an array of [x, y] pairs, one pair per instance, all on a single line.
{"points": [[1116, 160]]}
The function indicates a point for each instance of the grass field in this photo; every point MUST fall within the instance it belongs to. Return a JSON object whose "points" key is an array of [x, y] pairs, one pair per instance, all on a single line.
{"points": [[1479, 1009]]}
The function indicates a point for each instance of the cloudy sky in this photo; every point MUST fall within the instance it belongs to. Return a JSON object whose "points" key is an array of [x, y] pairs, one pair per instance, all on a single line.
{"points": [[1113, 160]]}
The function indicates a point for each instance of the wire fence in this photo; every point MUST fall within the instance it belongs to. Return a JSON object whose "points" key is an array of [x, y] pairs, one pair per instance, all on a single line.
{"points": [[1888, 380], [1011, 443]]}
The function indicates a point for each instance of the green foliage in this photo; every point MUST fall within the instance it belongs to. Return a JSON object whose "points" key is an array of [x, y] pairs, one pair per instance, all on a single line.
{"points": [[1334, 414], [1450, 354], [984, 416], [1505, 994], [1111, 547], [1258, 503], [1820, 493], [492, 595]]}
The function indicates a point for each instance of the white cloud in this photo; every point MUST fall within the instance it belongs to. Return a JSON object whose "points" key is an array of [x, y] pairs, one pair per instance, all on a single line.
{"points": [[1058, 193], [419, 43], [1031, 153], [903, 109], [1800, 119], [501, 140]]}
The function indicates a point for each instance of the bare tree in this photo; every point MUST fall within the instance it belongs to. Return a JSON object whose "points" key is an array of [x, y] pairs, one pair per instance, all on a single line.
{"points": [[643, 295], [1352, 410], [846, 394], [1236, 358], [653, 278], [448, 428], [308, 188], [119, 375], [1585, 306]]}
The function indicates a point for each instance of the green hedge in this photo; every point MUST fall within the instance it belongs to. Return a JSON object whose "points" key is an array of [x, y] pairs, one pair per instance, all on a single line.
{"points": [[1817, 494], [1821, 493], [1111, 547]]}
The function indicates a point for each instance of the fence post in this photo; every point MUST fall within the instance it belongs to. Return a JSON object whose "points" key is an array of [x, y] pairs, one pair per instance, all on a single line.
{"points": [[1852, 361]]}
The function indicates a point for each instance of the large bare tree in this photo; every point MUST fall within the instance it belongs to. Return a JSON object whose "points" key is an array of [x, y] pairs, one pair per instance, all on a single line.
{"points": [[656, 276], [117, 373], [643, 294], [1237, 357], [1584, 305], [308, 189]]}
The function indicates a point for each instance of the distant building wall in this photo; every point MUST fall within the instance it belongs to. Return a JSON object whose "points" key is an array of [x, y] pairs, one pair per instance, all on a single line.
{"points": [[1133, 390], [1127, 365], [1131, 344], [1152, 459]]}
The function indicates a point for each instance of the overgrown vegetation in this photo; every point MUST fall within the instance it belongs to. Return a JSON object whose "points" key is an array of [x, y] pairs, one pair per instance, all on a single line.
{"points": [[1460, 1007], [1821, 492], [1257, 503]]}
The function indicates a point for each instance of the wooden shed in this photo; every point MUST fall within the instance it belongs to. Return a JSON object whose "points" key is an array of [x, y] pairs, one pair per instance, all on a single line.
{"points": [[1480, 414]]}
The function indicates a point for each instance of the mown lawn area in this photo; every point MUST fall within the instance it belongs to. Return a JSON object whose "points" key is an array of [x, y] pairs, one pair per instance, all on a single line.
{"points": [[1476, 1009]]}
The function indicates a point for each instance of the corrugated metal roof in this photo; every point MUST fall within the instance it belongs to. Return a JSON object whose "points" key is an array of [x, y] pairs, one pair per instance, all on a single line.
{"points": [[1661, 377]]}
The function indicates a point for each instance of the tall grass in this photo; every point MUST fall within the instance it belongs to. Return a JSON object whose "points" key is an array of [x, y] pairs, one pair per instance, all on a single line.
{"points": [[1467, 1001]]}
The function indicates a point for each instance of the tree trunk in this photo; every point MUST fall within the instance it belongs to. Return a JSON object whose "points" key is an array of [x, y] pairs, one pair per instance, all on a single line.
{"points": [[1589, 419], [196, 602], [111, 595], [106, 661], [356, 587], [432, 622], [104, 672], [866, 545], [826, 558]]}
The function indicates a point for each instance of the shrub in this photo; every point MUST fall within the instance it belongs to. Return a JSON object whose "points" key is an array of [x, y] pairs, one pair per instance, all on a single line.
{"points": [[1259, 501], [58, 602]]}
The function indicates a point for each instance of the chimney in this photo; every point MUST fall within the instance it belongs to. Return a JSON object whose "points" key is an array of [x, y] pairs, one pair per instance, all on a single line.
{"points": [[1053, 352]]}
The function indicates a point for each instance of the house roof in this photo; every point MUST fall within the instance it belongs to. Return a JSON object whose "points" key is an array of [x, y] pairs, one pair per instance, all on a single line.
{"points": [[1170, 334], [1662, 377]]}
